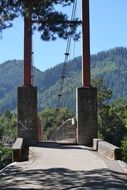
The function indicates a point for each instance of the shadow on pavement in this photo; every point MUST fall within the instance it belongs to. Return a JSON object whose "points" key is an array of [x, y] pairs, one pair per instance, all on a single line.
{"points": [[55, 145], [13, 177]]}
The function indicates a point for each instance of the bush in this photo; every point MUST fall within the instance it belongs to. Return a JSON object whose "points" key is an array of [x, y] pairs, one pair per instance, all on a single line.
{"points": [[5, 156], [124, 149]]}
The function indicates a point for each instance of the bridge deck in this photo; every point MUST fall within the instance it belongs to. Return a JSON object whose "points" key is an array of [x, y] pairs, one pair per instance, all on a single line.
{"points": [[62, 167]]}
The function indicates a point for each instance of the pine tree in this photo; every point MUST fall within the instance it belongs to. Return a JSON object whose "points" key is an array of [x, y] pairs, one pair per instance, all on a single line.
{"points": [[46, 18]]}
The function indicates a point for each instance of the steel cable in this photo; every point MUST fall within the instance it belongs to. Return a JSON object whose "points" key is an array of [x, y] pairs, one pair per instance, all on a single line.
{"points": [[67, 53]]}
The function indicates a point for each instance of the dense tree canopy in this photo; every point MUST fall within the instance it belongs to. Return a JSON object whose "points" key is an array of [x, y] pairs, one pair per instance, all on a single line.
{"points": [[45, 16]]}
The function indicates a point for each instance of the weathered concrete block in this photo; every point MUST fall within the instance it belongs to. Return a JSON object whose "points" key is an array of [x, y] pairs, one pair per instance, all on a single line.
{"points": [[107, 149], [17, 150], [95, 143], [86, 113], [27, 114]]}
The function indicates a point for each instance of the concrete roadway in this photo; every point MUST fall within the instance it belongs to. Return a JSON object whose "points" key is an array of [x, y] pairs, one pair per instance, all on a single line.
{"points": [[64, 167]]}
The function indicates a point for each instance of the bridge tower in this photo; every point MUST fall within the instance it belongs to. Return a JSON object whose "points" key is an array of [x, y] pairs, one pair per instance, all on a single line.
{"points": [[86, 96], [27, 94]]}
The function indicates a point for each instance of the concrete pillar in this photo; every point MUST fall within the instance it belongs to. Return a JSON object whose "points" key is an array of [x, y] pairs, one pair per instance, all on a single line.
{"points": [[86, 112], [27, 115]]}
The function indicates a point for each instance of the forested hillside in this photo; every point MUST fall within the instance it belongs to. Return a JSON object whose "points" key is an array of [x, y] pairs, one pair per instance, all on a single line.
{"points": [[109, 65]]}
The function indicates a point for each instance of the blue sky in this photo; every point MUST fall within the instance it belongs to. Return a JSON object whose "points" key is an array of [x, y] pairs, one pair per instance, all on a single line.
{"points": [[107, 25]]}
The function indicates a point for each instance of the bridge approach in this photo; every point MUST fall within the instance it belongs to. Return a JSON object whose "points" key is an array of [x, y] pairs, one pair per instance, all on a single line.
{"points": [[64, 167]]}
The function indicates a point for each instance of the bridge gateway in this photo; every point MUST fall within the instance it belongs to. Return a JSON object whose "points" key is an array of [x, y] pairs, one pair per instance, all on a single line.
{"points": [[60, 166], [86, 96]]}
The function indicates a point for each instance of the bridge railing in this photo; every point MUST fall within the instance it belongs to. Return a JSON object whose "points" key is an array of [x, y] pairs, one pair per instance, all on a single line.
{"points": [[67, 132]]}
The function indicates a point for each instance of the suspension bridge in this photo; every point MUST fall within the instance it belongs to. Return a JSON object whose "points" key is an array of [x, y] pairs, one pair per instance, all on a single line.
{"points": [[73, 158]]}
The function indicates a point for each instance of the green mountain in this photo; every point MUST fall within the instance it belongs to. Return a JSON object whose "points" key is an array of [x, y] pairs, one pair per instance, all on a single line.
{"points": [[109, 65]]}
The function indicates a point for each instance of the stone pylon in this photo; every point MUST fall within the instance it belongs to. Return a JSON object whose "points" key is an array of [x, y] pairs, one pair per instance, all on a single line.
{"points": [[86, 112], [27, 115]]}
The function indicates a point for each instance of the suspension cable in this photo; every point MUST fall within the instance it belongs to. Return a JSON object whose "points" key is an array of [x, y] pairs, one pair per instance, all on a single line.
{"points": [[67, 53], [32, 65]]}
